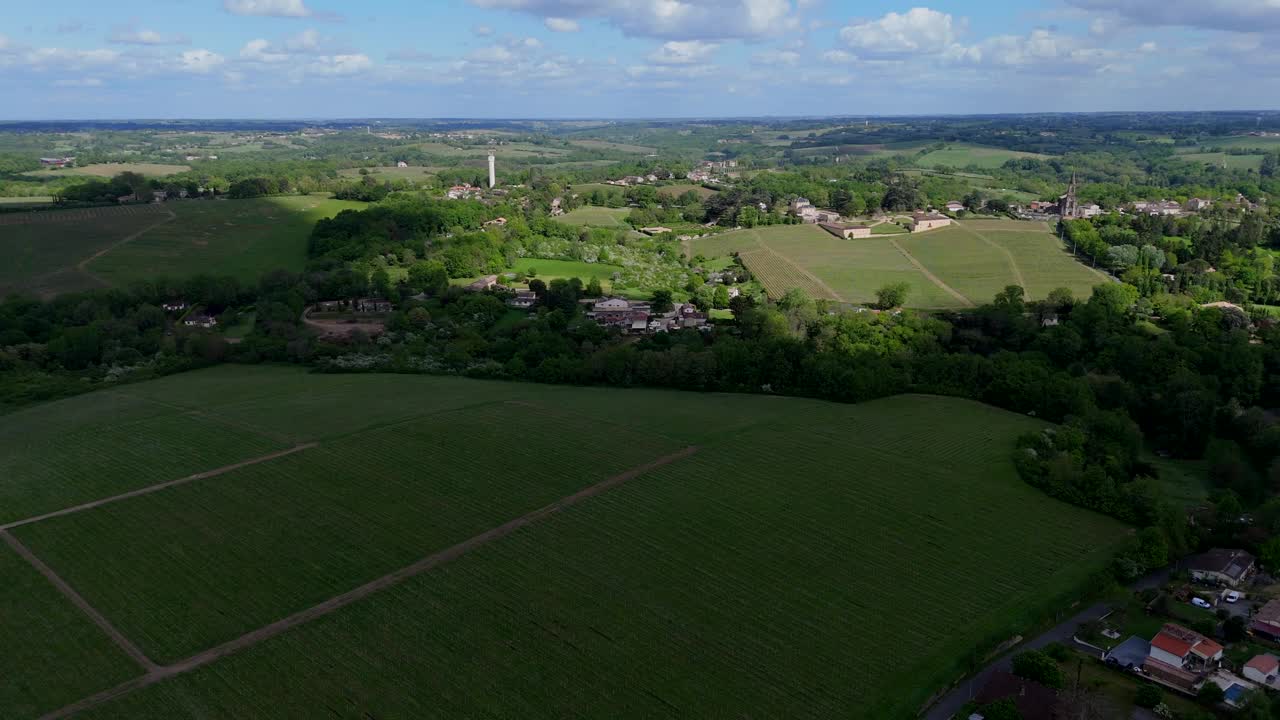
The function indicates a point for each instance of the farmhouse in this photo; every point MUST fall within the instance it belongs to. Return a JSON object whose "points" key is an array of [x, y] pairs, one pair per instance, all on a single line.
{"points": [[921, 222], [1198, 204], [523, 299], [1184, 650], [846, 231], [955, 206], [484, 283], [1221, 566], [1262, 669]]}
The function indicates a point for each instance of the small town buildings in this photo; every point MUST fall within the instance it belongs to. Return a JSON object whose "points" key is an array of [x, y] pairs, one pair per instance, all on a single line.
{"points": [[955, 206], [920, 222], [637, 317], [1198, 204], [803, 209], [523, 299], [1221, 566], [462, 192], [849, 232], [655, 230], [371, 305], [200, 320], [1266, 621], [1184, 649], [402, 164], [1262, 669], [174, 306], [482, 284]]}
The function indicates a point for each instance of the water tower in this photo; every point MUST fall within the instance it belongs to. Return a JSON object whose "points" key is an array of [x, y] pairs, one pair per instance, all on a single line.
{"points": [[492, 178]]}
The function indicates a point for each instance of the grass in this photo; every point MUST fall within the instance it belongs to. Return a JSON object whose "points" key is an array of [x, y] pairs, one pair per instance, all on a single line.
{"points": [[1267, 144], [23, 201], [551, 269], [888, 228], [615, 146], [965, 155], [242, 238], [243, 326], [394, 173], [596, 216], [682, 188], [54, 654], [1233, 162], [749, 579], [106, 170]]}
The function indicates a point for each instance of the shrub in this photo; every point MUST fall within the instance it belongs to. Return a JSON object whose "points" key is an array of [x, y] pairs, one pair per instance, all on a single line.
{"points": [[1148, 696]]}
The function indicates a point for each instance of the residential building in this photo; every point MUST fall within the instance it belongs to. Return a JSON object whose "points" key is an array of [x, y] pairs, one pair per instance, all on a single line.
{"points": [[1221, 566], [159, 195], [402, 164], [920, 222], [371, 305], [523, 299], [462, 192], [1198, 204], [846, 231], [1184, 649], [1262, 669], [482, 284], [799, 204], [955, 206], [199, 319], [1266, 621], [57, 161], [174, 306]]}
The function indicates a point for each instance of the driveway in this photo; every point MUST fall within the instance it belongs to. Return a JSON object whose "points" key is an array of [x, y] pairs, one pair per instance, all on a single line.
{"points": [[951, 703]]}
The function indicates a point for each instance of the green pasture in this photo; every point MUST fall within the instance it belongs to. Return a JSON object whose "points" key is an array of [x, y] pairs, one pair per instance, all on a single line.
{"points": [[596, 216], [962, 155]]}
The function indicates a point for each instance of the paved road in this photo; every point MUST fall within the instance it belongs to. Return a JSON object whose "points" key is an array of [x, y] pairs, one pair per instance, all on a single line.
{"points": [[951, 703]]}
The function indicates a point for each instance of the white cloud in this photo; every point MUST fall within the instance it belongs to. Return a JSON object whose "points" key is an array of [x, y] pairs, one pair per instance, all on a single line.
{"points": [[919, 31], [839, 57], [78, 82], [140, 36], [674, 19], [62, 57], [1235, 15], [682, 52], [270, 8], [201, 61], [1148, 47], [304, 42], [260, 50], [556, 24], [340, 64], [786, 58]]}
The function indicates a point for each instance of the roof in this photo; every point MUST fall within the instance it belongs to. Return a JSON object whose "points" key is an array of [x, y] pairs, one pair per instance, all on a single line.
{"points": [[928, 216], [1230, 562], [1268, 614], [1206, 648], [1265, 664], [1131, 652], [1033, 700], [1170, 644]]}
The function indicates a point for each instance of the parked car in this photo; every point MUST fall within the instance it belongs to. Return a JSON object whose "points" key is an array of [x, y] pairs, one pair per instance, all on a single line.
{"points": [[1200, 602], [1232, 596]]}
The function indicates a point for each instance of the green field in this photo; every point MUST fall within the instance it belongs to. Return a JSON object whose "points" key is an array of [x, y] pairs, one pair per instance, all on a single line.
{"points": [[112, 169], [33, 200], [68, 250], [394, 173], [1233, 162], [964, 155], [1267, 143], [552, 269], [682, 188], [969, 262], [614, 146], [596, 216], [746, 579]]}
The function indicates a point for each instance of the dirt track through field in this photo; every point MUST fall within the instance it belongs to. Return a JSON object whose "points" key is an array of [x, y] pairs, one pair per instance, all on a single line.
{"points": [[160, 486], [82, 266], [1013, 264], [816, 280], [156, 674], [932, 278], [116, 636]]}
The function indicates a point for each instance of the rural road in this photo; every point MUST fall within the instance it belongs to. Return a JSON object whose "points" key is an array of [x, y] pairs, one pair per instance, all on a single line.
{"points": [[951, 703]]}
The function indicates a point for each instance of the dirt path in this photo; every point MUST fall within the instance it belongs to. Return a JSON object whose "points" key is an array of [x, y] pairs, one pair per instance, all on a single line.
{"points": [[161, 486], [210, 416], [1013, 264], [157, 673], [932, 278], [116, 636], [816, 280]]}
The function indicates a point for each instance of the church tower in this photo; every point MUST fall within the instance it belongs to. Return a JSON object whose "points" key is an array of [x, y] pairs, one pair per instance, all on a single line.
{"points": [[1068, 207]]}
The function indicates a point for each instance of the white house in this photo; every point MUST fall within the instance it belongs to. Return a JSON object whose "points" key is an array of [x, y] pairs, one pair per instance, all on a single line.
{"points": [[955, 206], [1184, 649], [921, 222], [1262, 669]]}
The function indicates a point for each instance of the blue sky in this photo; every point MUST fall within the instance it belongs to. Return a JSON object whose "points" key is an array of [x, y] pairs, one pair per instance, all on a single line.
{"points": [[631, 58]]}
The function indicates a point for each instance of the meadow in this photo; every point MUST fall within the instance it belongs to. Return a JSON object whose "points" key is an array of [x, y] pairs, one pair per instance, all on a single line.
{"points": [[958, 266], [1217, 159], [964, 155], [596, 216], [106, 170], [1266, 143], [745, 576], [394, 173], [68, 250], [552, 269], [614, 146]]}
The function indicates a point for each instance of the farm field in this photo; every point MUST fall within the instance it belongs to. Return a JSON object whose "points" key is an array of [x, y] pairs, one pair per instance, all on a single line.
{"points": [[958, 266], [552, 269], [596, 216], [10, 202], [963, 155], [394, 173], [703, 571], [615, 146], [68, 250], [1233, 162], [1264, 143], [683, 188], [106, 170]]}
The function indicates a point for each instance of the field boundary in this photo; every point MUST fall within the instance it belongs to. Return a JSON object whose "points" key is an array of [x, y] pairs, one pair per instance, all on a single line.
{"points": [[83, 265], [1013, 264], [157, 673], [929, 275], [117, 637], [159, 486], [817, 281]]}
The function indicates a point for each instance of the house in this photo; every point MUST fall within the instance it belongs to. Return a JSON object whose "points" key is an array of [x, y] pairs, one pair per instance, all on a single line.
{"points": [[1090, 210], [371, 305], [174, 306], [655, 230], [482, 284], [1266, 621], [498, 221], [57, 161], [1262, 669], [799, 204], [1183, 649], [330, 306], [523, 299], [734, 292], [810, 214], [402, 164], [199, 319], [555, 207], [847, 232], [1221, 566], [920, 222], [462, 192], [159, 195], [1198, 204], [1033, 700], [955, 206]]}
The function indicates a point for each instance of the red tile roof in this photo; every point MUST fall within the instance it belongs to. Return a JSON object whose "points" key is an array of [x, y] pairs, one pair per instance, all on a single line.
{"points": [[1206, 648], [1171, 644], [1266, 664]]}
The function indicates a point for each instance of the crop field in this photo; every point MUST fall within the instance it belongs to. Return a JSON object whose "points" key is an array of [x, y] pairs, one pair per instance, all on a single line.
{"points": [[394, 173], [614, 146], [68, 250], [958, 266], [31, 200], [745, 551], [1265, 143], [112, 169], [596, 216], [1217, 159], [682, 188], [964, 155]]}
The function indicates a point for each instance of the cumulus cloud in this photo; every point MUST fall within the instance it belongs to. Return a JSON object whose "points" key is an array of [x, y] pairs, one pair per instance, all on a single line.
{"points": [[140, 36], [556, 24], [1236, 15], [269, 8], [307, 41], [351, 64], [674, 19], [260, 50], [200, 61], [62, 57], [919, 31], [785, 58], [682, 52], [839, 57]]}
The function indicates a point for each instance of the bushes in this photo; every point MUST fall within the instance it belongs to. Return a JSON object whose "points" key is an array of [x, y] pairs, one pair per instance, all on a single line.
{"points": [[1038, 666]]}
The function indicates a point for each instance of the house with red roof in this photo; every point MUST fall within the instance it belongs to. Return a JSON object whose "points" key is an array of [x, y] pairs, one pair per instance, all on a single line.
{"points": [[1262, 669], [1184, 649]]}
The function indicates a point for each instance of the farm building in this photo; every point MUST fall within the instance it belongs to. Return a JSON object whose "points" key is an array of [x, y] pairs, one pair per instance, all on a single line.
{"points": [[1221, 566], [921, 222], [483, 283], [1262, 669], [955, 206], [1184, 649], [523, 299], [846, 231], [371, 305]]}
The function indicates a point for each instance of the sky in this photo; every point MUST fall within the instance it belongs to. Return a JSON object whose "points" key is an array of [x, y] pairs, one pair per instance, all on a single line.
{"points": [[88, 59]]}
